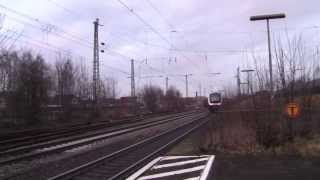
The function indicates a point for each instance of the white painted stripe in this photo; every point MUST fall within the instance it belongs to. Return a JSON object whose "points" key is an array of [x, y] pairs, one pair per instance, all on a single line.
{"points": [[193, 178], [206, 171], [142, 170], [180, 157], [171, 173], [181, 163]]}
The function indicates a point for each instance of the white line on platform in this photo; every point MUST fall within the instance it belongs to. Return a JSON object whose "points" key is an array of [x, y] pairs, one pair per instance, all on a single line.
{"points": [[206, 171], [180, 157], [193, 178], [142, 170], [179, 163], [171, 173]]}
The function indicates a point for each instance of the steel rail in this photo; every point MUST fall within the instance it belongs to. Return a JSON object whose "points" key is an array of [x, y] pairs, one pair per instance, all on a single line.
{"points": [[85, 167], [112, 133], [63, 133]]}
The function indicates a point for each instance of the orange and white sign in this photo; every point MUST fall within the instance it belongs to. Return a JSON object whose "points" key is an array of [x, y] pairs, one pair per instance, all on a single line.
{"points": [[292, 110]]}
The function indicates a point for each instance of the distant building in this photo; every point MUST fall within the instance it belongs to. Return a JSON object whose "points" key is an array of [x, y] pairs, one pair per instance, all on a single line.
{"points": [[129, 101]]}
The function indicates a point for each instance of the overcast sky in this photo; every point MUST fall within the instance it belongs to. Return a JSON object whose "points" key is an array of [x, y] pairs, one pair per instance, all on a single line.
{"points": [[192, 36]]}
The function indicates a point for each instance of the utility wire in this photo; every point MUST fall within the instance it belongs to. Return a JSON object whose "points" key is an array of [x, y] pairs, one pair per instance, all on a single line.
{"points": [[68, 10], [41, 45], [55, 49], [50, 47], [66, 38], [69, 38], [144, 22], [64, 8], [35, 41], [117, 69], [152, 29], [159, 13], [42, 23], [87, 45]]}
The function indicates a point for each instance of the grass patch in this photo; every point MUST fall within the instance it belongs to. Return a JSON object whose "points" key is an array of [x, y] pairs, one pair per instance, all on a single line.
{"points": [[305, 147], [234, 134]]}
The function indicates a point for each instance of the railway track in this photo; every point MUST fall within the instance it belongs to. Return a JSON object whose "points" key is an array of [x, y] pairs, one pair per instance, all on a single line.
{"points": [[12, 140], [5, 145], [6, 138], [123, 162], [34, 151], [42, 131]]}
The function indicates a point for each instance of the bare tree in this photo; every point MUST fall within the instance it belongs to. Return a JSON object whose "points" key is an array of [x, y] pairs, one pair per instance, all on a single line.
{"points": [[173, 100], [83, 84], [66, 74], [152, 97], [281, 69], [109, 88], [8, 60], [30, 87], [261, 82]]}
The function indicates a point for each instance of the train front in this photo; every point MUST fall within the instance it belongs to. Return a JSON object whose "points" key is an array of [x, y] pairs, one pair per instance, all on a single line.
{"points": [[214, 101]]}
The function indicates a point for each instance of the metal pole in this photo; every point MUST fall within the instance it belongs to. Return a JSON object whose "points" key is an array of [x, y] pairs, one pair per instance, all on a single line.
{"points": [[133, 93], [238, 81], [113, 89], [95, 62], [248, 84], [167, 84], [186, 85], [270, 58]]}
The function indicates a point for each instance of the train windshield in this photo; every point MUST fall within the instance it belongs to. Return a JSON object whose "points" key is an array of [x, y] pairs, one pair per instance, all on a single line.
{"points": [[215, 97]]}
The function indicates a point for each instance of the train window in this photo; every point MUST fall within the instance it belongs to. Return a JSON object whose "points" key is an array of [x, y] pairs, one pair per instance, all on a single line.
{"points": [[215, 97]]}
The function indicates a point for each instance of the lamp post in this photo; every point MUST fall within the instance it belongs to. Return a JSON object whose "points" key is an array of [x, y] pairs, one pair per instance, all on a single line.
{"points": [[268, 17]]}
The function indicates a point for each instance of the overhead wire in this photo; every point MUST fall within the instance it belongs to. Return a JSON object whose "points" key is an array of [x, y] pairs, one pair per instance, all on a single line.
{"points": [[48, 46], [155, 31], [117, 36], [64, 8], [43, 23], [89, 45], [144, 22], [64, 35], [117, 69], [57, 34], [52, 32], [159, 13], [33, 41], [71, 37]]}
